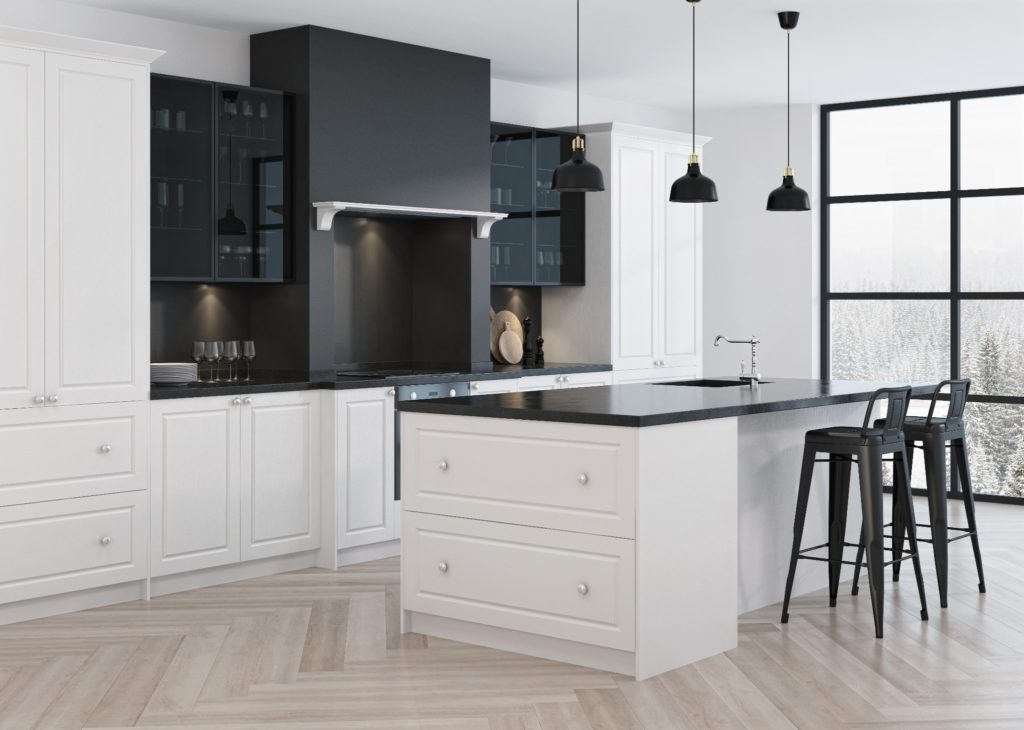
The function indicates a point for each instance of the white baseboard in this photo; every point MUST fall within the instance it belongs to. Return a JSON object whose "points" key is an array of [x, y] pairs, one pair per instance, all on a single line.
{"points": [[520, 642], [70, 602], [366, 553], [166, 584]]}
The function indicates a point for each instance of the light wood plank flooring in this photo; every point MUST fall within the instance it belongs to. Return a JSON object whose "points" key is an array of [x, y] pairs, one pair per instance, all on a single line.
{"points": [[313, 649]]}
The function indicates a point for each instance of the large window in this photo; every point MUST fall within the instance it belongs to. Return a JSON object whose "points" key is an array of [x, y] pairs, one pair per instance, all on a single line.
{"points": [[922, 230]]}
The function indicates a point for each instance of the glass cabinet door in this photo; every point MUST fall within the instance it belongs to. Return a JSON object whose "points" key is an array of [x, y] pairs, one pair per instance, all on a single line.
{"points": [[181, 172], [559, 216], [512, 184], [252, 241]]}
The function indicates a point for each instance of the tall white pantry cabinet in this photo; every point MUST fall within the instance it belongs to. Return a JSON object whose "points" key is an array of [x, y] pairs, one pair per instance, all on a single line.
{"points": [[74, 313], [641, 307]]}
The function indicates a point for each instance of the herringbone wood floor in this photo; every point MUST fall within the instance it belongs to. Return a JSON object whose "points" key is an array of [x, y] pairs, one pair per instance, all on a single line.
{"points": [[313, 649]]}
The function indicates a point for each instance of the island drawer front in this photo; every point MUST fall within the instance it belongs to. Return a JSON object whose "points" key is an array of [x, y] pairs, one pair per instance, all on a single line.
{"points": [[558, 584], [72, 544], [559, 475], [72, 451]]}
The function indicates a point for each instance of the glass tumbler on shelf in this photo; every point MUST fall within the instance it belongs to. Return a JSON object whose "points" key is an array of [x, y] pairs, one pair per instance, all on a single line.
{"points": [[161, 200], [212, 356], [198, 351], [248, 354], [231, 352], [181, 205]]}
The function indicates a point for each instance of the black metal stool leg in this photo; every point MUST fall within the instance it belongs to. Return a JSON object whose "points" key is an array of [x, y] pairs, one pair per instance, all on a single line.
{"points": [[935, 471], [860, 559], [869, 464], [907, 505], [803, 494], [838, 506], [899, 524], [960, 455]]}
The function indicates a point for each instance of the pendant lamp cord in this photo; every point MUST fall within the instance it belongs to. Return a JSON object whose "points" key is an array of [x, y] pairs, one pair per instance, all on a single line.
{"points": [[577, 68], [787, 99], [693, 80]]}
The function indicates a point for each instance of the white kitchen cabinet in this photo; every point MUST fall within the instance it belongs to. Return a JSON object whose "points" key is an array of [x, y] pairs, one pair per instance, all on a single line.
{"points": [[654, 375], [280, 474], [642, 302], [539, 382], [233, 478], [195, 483], [72, 544], [74, 289], [502, 385], [586, 380], [21, 209], [364, 466]]}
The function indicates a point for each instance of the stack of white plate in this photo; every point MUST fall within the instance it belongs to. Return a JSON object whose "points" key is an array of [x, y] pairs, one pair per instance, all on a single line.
{"points": [[173, 373]]}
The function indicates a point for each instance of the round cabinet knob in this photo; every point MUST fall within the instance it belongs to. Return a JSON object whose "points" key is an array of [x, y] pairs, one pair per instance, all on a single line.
{"points": [[52, 399], [39, 400], [105, 540], [476, 386], [583, 589], [413, 396], [391, 392], [452, 393], [583, 478], [247, 401], [236, 402], [105, 449], [565, 378], [442, 566], [442, 465]]}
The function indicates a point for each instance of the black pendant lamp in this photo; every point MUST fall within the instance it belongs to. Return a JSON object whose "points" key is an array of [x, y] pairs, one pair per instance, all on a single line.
{"points": [[788, 197], [576, 175], [694, 186]]}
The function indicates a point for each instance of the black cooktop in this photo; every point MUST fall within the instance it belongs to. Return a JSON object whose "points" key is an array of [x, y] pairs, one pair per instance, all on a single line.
{"points": [[394, 373]]}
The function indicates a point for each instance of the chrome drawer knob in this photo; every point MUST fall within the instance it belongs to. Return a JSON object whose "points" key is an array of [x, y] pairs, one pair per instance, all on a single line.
{"points": [[476, 386], [442, 465], [39, 400], [583, 589], [52, 399], [105, 449], [442, 566], [247, 401], [452, 393], [391, 392], [583, 479], [236, 402], [105, 540]]}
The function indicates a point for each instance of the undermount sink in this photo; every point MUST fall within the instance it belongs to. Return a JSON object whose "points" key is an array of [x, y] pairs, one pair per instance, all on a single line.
{"points": [[713, 383]]}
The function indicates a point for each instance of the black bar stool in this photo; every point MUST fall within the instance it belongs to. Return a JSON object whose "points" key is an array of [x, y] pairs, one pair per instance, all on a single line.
{"points": [[933, 436], [866, 446]]}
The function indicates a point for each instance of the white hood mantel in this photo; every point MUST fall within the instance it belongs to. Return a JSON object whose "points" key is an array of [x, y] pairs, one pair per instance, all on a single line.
{"points": [[325, 212]]}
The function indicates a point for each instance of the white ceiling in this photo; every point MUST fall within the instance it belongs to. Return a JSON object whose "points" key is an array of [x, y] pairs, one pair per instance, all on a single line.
{"points": [[638, 50]]}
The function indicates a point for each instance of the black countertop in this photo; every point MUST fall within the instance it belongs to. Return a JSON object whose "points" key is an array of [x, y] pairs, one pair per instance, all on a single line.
{"points": [[637, 405], [277, 382]]}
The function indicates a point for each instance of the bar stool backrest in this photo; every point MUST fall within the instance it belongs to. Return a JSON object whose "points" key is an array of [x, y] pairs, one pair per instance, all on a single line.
{"points": [[895, 412], [958, 390]]}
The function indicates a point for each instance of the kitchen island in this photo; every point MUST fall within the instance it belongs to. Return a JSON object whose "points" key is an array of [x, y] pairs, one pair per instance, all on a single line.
{"points": [[621, 527]]}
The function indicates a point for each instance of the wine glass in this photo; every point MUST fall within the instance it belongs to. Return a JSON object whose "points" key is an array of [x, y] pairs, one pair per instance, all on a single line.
{"points": [[181, 205], [161, 200], [247, 112], [230, 356], [264, 116], [248, 354], [198, 350], [212, 356]]}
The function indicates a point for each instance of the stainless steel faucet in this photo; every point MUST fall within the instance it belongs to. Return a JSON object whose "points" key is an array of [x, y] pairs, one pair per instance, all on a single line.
{"points": [[753, 377]]}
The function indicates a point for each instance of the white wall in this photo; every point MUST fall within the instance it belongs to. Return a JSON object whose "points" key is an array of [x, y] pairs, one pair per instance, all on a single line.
{"points": [[761, 269], [538, 106], [191, 50]]}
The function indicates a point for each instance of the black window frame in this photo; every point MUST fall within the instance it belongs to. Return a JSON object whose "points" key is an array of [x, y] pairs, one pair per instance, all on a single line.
{"points": [[955, 194]]}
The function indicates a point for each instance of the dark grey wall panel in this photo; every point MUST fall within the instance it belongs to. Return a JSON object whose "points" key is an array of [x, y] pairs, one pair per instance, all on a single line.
{"points": [[182, 312]]}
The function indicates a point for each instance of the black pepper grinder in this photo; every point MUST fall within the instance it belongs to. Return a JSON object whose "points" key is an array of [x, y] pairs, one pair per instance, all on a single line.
{"points": [[528, 361], [539, 358]]}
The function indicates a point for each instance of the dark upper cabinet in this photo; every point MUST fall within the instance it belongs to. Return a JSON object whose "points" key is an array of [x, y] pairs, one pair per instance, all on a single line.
{"points": [[542, 240], [221, 167]]}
